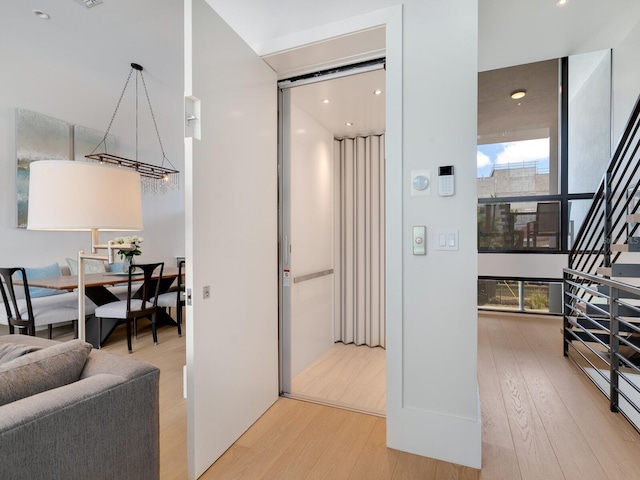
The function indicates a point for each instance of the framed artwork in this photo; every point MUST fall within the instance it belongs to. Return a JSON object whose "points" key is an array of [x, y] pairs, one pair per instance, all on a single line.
{"points": [[38, 137], [85, 141]]}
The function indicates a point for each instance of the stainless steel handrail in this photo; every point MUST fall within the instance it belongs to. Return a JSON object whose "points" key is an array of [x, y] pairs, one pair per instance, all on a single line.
{"points": [[311, 276]]}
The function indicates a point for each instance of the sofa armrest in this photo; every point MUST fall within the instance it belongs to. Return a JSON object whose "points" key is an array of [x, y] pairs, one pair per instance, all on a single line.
{"points": [[103, 426]]}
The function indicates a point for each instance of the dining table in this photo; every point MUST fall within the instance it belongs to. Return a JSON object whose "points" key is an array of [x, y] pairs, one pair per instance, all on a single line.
{"points": [[97, 290]]}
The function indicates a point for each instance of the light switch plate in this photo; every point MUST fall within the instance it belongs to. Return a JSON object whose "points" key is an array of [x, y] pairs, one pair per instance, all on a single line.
{"points": [[447, 239]]}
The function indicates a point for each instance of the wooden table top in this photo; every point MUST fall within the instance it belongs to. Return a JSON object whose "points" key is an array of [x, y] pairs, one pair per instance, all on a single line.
{"points": [[69, 282]]}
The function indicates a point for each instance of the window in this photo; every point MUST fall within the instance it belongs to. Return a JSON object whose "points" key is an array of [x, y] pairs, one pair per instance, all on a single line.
{"points": [[540, 158], [512, 169], [520, 295]]}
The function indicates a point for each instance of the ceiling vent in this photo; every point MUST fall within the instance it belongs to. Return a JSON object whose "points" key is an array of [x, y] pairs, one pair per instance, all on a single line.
{"points": [[89, 3]]}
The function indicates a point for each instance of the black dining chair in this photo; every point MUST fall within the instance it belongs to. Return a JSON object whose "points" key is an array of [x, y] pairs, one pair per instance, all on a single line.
{"points": [[141, 301], [21, 312], [175, 298]]}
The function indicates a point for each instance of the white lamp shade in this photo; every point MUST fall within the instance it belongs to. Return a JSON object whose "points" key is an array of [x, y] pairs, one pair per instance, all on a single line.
{"points": [[81, 196]]}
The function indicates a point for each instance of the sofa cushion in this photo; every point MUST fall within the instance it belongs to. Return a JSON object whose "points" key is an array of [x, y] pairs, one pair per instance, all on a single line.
{"points": [[91, 265], [42, 370], [52, 270], [10, 351]]}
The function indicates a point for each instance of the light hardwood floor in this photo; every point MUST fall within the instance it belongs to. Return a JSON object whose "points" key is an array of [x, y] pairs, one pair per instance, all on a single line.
{"points": [[346, 376], [542, 419]]}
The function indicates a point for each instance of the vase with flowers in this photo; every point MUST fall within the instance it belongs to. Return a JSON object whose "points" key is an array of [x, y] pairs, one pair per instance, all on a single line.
{"points": [[128, 255]]}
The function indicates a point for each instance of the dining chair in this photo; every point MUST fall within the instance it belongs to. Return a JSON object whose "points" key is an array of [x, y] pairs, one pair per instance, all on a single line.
{"points": [[24, 314], [141, 301], [175, 298]]}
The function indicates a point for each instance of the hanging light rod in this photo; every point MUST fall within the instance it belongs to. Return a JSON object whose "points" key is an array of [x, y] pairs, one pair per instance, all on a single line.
{"points": [[144, 169], [154, 178]]}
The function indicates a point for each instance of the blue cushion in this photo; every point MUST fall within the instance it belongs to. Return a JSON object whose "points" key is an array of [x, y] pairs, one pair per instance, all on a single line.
{"points": [[116, 267], [52, 270]]}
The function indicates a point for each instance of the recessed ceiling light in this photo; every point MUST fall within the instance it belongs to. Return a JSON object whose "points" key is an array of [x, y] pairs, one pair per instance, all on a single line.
{"points": [[326, 100], [89, 3], [518, 94], [349, 124], [378, 92], [559, 3], [41, 14]]}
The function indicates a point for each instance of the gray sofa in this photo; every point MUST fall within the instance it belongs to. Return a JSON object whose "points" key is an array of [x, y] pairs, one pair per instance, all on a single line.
{"points": [[102, 425]]}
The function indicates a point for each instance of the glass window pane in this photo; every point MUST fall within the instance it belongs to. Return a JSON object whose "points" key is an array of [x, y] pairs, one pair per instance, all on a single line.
{"points": [[522, 226], [518, 135], [500, 294], [543, 297], [589, 120], [577, 212], [510, 169]]}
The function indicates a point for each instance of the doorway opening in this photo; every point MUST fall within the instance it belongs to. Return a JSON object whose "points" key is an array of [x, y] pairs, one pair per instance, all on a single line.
{"points": [[332, 197]]}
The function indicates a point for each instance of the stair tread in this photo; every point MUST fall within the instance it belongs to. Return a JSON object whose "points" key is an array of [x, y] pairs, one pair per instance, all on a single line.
{"points": [[619, 247], [621, 270]]}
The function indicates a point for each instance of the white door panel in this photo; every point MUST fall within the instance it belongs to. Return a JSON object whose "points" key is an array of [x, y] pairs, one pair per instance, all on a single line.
{"points": [[231, 211]]}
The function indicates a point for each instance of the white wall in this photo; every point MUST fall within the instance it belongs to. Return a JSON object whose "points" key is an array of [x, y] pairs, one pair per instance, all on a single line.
{"points": [[626, 82], [515, 265], [432, 395], [73, 67], [312, 239]]}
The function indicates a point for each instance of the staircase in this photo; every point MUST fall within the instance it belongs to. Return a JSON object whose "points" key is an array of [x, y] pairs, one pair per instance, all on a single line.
{"points": [[602, 282]]}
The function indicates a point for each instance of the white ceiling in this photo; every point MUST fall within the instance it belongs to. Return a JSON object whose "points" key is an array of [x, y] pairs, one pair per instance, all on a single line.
{"points": [[351, 99], [536, 30]]}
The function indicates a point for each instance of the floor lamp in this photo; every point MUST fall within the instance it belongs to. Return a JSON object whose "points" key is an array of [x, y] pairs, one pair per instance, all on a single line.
{"points": [[67, 195]]}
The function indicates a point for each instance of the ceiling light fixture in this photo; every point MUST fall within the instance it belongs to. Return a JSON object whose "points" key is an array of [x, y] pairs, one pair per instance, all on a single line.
{"points": [[349, 124], [326, 100], [154, 178], [41, 14], [518, 94], [559, 3], [378, 92]]}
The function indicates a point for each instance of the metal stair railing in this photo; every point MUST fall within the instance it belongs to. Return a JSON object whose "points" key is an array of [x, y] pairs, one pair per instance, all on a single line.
{"points": [[604, 344], [601, 341]]}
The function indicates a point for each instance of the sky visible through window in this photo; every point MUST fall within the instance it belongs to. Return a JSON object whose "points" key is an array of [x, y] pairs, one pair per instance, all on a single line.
{"points": [[524, 153]]}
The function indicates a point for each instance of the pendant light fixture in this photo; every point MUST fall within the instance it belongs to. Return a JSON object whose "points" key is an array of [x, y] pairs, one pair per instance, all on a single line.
{"points": [[153, 178]]}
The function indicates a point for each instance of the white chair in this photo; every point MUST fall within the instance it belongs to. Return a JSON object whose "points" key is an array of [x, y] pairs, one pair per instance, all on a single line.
{"points": [[136, 306], [175, 298]]}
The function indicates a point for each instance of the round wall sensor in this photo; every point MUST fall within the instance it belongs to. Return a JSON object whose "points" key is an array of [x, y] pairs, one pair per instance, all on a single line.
{"points": [[420, 182]]}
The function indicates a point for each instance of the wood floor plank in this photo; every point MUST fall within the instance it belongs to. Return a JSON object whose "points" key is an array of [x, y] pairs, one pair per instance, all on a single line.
{"points": [[376, 461], [336, 462], [536, 457], [296, 461], [270, 421], [495, 424], [409, 467], [267, 450], [348, 376], [449, 471], [573, 452], [612, 439], [499, 463]]}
